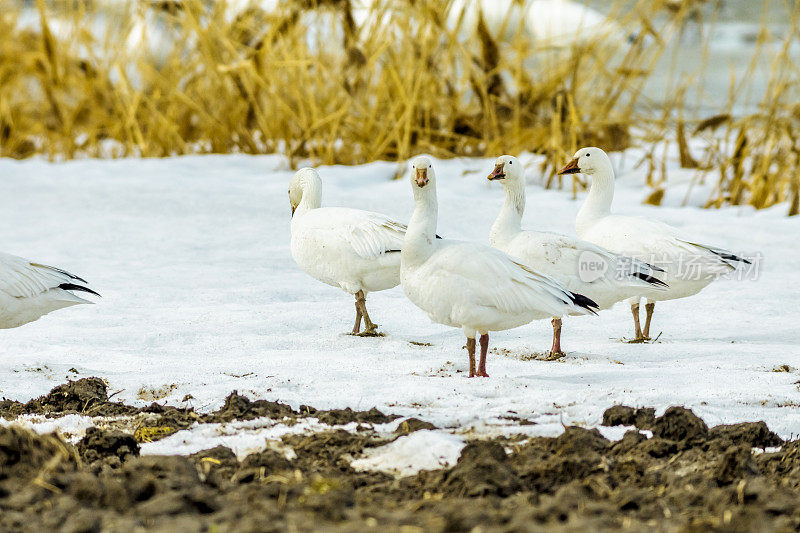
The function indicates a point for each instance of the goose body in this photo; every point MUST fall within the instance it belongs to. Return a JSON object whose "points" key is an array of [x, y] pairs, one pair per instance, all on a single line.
{"points": [[547, 23], [581, 266], [357, 251], [348, 248], [689, 266], [30, 290], [565, 23], [471, 286], [480, 289], [561, 257]]}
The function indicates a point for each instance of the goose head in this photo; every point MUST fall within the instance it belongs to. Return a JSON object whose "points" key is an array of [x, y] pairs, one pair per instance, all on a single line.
{"points": [[298, 185], [422, 173], [507, 170], [589, 161]]}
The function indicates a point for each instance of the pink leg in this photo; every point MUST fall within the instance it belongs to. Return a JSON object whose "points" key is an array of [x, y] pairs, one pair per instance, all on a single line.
{"points": [[649, 308], [357, 326], [471, 352], [555, 351], [484, 348], [637, 329]]}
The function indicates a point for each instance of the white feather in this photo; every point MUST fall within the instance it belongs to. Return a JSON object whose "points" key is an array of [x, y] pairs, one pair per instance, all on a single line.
{"points": [[564, 258], [29, 290], [472, 286], [347, 248], [689, 266]]}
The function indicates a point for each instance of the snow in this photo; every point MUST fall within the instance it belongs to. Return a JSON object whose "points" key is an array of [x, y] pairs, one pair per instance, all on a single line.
{"points": [[201, 297], [71, 427], [422, 450], [242, 437]]}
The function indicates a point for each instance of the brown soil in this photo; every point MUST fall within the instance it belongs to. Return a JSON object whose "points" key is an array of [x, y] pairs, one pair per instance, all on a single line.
{"points": [[686, 477], [89, 396]]}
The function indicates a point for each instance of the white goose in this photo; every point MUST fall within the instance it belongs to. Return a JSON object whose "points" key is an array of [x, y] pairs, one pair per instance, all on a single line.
{"points": [[547, 23], [357, 251], [30, 290], [689, 266], [613, 278], [471, 286]]}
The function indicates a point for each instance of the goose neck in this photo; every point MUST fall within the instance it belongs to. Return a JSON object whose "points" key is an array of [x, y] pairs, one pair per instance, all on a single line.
{"points": [[421, 233], [312, 195], [597, 203], [509, 221]]}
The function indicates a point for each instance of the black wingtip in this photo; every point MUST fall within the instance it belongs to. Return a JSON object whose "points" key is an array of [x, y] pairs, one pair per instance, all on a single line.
{"points": [[585, 302], [730, 257], [650, 279], [60, 271], [79, 288], [438, 237]]}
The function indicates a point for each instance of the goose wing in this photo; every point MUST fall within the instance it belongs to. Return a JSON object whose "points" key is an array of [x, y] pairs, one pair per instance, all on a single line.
{"points": [[493, 279], [620, 267], [730, 259], [654, 242], [564, 258], [21, 278], [372, 234]]}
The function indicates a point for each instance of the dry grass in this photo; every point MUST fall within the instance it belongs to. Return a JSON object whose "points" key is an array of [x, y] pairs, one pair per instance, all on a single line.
{"points": [[757, 157], [752, 158], [400, 85]]}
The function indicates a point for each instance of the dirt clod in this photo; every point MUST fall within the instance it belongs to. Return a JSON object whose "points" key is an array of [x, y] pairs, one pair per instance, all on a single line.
{"points": [[238, 407], [680, 424], [411, 425], [754, 434], [335, 417], [98, 443], [482, 470], [736, 463], [87, 396], [622, 415]]}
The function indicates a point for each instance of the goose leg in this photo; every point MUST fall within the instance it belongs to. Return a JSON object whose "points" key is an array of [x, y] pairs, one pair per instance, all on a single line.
{"points": [[484, 348], [555, 351], [471, 353], [638, 337], [370, 328], [357, 326], [649, 307]]}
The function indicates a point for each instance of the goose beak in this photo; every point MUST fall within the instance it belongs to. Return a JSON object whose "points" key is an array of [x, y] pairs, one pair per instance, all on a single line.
{"points": [[571, 167], [422, 177], [497, 173]]}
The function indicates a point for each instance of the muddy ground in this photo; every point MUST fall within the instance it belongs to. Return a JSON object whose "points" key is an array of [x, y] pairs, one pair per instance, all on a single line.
{"points": [[685, 477]]}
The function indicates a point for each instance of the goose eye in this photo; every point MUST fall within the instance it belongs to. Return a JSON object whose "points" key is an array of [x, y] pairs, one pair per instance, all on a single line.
{"points": [[430, 166], [587, 155], [510, 162]]}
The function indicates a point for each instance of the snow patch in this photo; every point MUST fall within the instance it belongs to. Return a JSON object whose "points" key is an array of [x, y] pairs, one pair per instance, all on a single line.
{"points": [[422, 450], [71, 428]]}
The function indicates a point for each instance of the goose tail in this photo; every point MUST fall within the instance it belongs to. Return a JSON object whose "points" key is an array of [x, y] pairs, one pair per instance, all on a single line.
{"points": [[651, 280], [584, 303], [67, 293]]}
